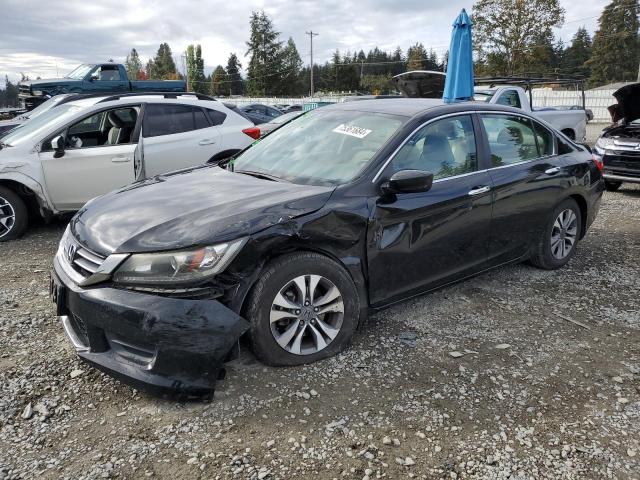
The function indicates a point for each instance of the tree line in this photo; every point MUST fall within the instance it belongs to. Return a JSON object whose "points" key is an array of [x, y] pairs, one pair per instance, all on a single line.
{"points": [[511, 37]]}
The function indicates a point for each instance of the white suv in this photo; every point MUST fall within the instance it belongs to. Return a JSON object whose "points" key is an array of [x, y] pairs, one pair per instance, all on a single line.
{"points": [[57, 161]]}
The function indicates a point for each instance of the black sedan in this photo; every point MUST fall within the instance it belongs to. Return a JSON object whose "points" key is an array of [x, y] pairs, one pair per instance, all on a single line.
{"points": [[339, 213]]}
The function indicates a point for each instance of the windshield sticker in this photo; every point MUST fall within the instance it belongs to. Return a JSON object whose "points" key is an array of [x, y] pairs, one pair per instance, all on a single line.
{"points": [[352, 130]]}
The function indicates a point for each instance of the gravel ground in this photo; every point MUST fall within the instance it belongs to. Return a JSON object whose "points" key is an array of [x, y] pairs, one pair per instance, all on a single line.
{"points": [[519, 373]]}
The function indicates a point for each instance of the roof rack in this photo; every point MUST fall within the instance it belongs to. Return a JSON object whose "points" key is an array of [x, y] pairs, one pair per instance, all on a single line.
{"points": [[199, 96], [530, 81]]}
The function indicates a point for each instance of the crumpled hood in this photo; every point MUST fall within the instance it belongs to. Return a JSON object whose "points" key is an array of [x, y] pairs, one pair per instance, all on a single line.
{"points": [[202, 206], [420, 84], [628, 107], [48, 82]]}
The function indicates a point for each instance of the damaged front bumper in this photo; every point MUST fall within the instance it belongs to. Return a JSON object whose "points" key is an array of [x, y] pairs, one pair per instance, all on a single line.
{"points": [[164, 345]]}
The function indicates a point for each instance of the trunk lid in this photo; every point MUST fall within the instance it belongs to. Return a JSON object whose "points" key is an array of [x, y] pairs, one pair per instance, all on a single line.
{"points": [[420, 84]]}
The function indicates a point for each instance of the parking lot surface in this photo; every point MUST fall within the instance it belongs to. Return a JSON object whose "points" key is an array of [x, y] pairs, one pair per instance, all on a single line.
{"points": [[518, 373]]}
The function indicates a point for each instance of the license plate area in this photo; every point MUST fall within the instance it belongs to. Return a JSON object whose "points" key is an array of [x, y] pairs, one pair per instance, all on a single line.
{"points": [[58, 293]]}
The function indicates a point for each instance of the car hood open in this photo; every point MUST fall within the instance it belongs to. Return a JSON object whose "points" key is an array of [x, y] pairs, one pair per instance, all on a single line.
{"points": [[420, 84], [628, 106], [194, 207]]}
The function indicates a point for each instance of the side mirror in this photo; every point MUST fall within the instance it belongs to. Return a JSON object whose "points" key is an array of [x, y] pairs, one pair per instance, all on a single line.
{"points": [[57, 144], [94, 77], [409, 181]]}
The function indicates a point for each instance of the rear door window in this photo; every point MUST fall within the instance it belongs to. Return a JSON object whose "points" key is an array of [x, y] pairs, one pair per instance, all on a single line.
{"points": [[545, 140], [509, 98], [170, 119], [511, 139]]}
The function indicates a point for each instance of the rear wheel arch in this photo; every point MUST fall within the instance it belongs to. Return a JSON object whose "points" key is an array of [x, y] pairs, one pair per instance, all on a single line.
{"points": [[582, 204]]}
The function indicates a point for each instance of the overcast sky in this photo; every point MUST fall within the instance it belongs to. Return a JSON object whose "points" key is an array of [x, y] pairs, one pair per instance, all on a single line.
{"points": [[44, 38]]}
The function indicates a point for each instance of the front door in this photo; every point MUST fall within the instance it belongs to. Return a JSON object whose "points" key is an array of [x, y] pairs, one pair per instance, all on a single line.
{"points": [[177, 136], [106, 78], [418, 241], [98, 158], [528, 180]]}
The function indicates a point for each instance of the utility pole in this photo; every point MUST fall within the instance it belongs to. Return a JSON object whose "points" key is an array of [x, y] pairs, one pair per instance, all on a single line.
{"points": [[311, 35]]}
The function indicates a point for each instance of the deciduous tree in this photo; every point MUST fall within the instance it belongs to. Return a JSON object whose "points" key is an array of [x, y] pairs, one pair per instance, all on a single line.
{"points": [[133, 65]]}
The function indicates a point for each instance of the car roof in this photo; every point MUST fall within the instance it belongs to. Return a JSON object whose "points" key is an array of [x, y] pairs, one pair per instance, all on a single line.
{"points": [[410, 107], [186, 98]]}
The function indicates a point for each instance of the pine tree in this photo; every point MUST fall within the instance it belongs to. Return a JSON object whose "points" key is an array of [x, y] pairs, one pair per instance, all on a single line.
{"points": [[265, 65], [195, 70], [235, 85], [219, 82], [162, 66], [292, 65], [578, 53], [416, 56], [506, 31], [133, 65], [615, 44]]}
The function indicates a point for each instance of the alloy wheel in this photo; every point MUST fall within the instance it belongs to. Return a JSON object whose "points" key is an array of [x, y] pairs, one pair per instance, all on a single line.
{"points": [[564, 234], [306, 314], [7, 217]]}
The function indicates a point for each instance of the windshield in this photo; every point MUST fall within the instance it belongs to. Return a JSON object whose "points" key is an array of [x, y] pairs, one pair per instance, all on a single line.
{"points": [[286, 117], [482, 96], [35, 126], [323, 147], [80, 72], [43, 107]]}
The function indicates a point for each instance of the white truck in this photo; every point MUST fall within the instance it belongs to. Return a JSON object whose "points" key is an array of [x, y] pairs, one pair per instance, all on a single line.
{"points": [[572, 121]]}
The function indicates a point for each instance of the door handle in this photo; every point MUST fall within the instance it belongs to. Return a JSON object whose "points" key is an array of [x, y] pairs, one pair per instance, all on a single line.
{"points": [[207, 141], [120, 159], [479, 190], [552, 171]]}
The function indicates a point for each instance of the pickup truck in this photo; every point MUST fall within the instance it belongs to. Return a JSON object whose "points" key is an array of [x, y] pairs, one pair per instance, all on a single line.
{"points": [[571, 122], [92, 78], [430, 84]]}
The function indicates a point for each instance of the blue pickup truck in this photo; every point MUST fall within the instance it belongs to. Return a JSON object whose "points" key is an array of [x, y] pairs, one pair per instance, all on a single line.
{"points": [[92, 78]]}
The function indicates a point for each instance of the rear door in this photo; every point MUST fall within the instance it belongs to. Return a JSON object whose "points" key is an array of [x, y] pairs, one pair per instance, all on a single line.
{"points": [[528, 180], [418, 241], [177, 136]]}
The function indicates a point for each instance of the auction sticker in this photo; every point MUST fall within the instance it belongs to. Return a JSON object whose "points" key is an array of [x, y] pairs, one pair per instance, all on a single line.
{"points": [[352, 130]]}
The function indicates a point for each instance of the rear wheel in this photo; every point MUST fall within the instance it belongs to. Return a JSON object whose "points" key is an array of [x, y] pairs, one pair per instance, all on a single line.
{"points": [[305, 307], [13, 215], [560, 237], [612, 186]]}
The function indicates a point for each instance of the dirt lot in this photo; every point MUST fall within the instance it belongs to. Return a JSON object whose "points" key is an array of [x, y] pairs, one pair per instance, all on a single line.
{"points": [[545, 384]]}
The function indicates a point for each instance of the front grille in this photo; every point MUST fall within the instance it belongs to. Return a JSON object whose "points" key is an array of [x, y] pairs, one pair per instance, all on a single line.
{"points": [[623, 163], [24, 90], [80, 259]]}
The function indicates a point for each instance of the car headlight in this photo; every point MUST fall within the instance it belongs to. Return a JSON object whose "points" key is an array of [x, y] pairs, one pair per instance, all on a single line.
{"points": [[37, 93], [602, 143], [179, 267]]}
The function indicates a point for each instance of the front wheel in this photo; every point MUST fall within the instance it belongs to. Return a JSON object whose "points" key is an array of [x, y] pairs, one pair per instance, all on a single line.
{"points": [[305, 307], [560, 237], [13, 215], [612, 186]]}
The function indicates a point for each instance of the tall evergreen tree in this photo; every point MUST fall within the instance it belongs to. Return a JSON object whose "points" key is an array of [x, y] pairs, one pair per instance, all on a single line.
{"points": [[133, 65], [162, 66], [615, 44], [265, 65], [291, 64], [219, 82], [416, 56], [578, 53], [195, 70], [234, 77], [505, 31]]}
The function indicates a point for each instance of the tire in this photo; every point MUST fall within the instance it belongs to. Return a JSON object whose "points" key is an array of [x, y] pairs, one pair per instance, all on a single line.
{"points": [[276, 284], [545, 256], [14, 216], [612, 186]]}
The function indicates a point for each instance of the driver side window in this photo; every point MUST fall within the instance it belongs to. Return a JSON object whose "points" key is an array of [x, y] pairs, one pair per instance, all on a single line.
{"points": [[102, 129], [445, 148]]}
